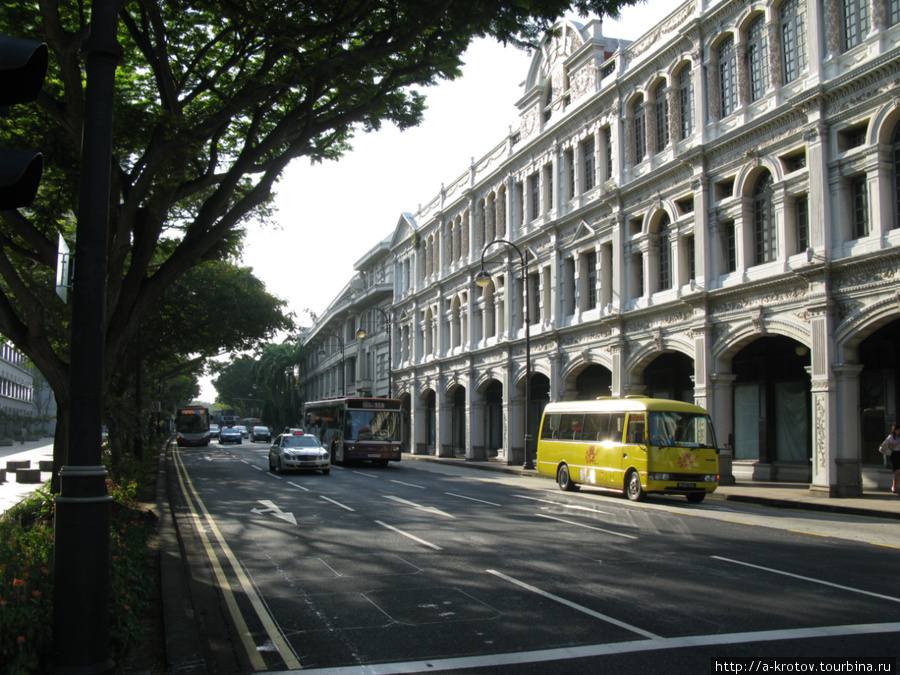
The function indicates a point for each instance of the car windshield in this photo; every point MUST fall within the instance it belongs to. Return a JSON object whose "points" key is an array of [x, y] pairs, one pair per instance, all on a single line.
{"points": [[300, 442], [681, 429]]}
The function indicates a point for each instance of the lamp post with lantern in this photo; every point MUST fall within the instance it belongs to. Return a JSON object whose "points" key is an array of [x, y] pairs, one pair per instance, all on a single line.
{"points": [[482, 279]]}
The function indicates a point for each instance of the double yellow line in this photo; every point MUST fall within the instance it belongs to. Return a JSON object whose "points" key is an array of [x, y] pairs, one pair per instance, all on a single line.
{"points": [[199, 515]]}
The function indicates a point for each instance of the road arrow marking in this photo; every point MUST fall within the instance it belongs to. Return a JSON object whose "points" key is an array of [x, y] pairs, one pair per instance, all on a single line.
{"points": [[275, 511], [428, 509]]}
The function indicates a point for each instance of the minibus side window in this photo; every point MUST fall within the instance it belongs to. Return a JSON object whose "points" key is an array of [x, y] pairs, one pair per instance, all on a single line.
{"points": [[594, 427], [616, 427], [570, 427], [636, 429], [550, 428]]}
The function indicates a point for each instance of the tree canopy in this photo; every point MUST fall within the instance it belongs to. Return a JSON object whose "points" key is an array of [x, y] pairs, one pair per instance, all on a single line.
{"points": [[213, 99]]}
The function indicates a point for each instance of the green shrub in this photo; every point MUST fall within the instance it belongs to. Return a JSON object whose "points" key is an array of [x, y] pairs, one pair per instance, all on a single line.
{"points": [[26, 574]]}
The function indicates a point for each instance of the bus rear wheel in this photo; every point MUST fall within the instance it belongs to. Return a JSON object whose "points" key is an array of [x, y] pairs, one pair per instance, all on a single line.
{"points": [[633, 489], [564, 480]]}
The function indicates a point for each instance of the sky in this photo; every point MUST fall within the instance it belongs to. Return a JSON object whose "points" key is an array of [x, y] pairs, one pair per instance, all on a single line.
{"points": [[330, 215]]}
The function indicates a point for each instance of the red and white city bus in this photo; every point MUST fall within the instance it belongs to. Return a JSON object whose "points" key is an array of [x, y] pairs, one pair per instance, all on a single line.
{"points": [[354, 428]]}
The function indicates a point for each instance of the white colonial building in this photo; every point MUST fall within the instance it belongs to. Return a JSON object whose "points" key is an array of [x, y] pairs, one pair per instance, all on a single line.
{"points": [[17, 408], [709, 213]]}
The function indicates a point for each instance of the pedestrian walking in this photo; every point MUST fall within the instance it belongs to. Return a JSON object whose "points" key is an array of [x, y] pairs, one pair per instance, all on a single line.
{"points": [[890, 448], [22, 435]]}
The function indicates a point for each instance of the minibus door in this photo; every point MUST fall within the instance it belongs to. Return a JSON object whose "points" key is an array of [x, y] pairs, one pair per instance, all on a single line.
{"points": [[608, 452], [635, 453]]}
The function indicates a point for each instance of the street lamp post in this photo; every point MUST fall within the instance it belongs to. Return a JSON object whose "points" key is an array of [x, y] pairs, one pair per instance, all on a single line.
{"points": [[361, 334], [343, 373], [482, 279]]}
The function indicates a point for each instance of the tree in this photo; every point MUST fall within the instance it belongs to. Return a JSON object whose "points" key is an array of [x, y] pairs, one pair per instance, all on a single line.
{"points": [[213, 308], [275, 376], [214, 99], [236, 384]]}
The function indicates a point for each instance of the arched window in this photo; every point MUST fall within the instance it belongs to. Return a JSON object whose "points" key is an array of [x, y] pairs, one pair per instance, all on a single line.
{"points": [[793, 39], [661, 107], [665, 253], [685, 103], [757, 58], [727, 76], [640, 136], [764, 221]]}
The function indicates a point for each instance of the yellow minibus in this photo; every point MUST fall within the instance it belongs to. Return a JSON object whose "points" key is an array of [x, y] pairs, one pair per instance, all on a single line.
{"points": [[635, 445]]}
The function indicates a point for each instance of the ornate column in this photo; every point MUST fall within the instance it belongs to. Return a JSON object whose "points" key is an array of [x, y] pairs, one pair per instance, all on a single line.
{"points": [[775, 54], [722, 410], [674, 113], [848, 463], [832, 29], [826, 478], [712, 100]]}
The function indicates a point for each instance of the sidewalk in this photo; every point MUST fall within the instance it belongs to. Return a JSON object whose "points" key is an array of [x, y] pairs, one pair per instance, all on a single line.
{"points": [[11, 492], [878, 503]]}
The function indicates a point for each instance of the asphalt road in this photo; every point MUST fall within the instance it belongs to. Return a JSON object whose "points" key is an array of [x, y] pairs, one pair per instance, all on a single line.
{"points": [[421, 567]]}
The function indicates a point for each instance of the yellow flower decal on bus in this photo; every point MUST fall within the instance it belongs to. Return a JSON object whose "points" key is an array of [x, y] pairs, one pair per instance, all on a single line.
{"points": [[590, 456], [686, 460]]}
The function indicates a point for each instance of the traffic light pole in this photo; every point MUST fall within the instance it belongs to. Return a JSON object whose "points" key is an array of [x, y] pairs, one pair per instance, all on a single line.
{"points": [[82, 556]]}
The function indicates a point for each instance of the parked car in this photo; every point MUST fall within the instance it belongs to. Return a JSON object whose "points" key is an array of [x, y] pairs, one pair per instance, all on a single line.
{"points": [[213, 431], [230, 435], [261, 434], [298, 451], [245, 432]]}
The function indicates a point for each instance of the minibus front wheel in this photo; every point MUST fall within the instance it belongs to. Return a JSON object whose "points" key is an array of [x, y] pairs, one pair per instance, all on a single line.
{"points": [[633, 489], [564, 480]]}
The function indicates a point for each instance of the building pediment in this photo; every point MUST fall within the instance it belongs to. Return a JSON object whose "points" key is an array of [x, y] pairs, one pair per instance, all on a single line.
{"points": [[406, 227]]}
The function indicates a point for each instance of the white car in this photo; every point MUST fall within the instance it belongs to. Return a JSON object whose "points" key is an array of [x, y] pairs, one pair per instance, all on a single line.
{"points": [[298, 451], [245, 432]]}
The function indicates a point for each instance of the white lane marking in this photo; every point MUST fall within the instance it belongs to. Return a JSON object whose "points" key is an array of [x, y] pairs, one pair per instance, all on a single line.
{"points": [[427, 509], [481, 501], [275, 511], [368, 475], [590, 527], [411, 536], [343, 506], [810, 579], [305, 489], [400, 482], [567, 603], [574, 507], [609, 649]]}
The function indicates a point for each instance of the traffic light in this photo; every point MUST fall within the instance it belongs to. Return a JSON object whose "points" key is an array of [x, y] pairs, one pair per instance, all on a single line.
{"points": [[23, 65]]}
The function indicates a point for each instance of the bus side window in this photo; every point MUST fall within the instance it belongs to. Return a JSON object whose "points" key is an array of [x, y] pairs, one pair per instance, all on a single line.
{"points": [[550, 428], [616, 426], [636, 429], [570, 426], [594, 428], [608, 428]]}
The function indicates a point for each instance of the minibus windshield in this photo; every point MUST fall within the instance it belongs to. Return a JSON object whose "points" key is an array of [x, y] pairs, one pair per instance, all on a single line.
{"points": [[690, 430]]}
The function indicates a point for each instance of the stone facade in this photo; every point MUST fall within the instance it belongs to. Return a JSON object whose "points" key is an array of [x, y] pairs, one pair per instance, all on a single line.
{"points": [[708, 213]]}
